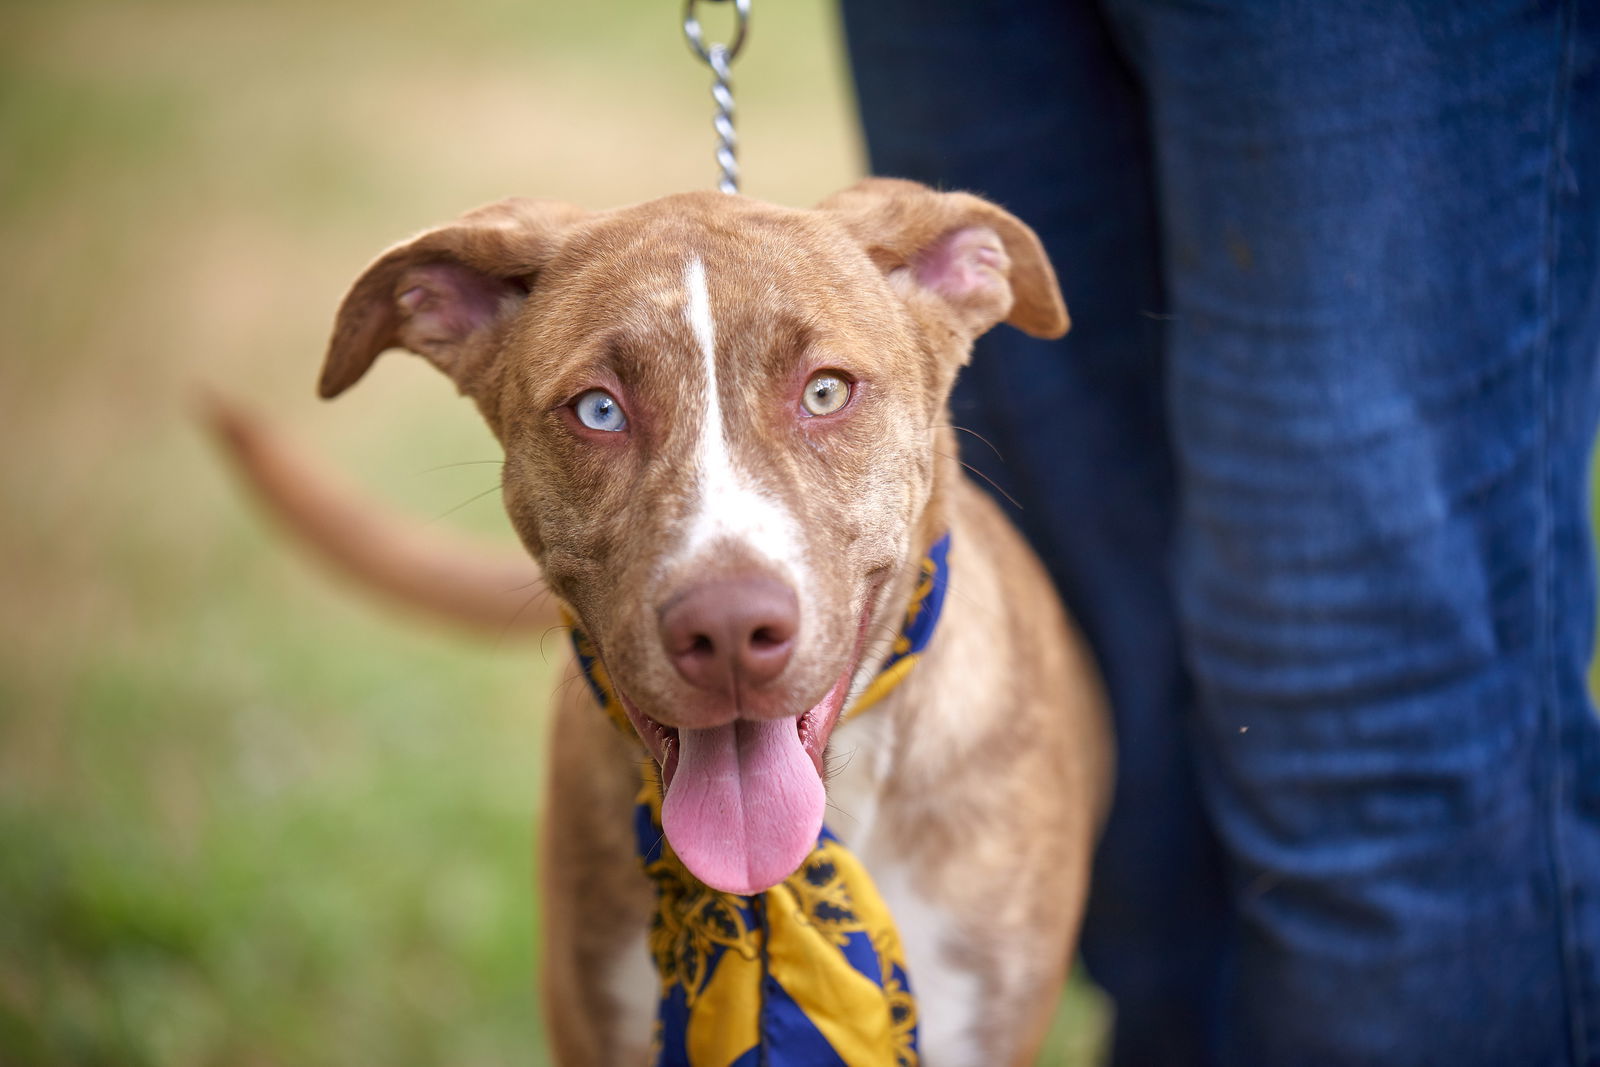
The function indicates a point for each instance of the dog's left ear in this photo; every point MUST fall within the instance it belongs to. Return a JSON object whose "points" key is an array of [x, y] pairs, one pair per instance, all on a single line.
{"points": [[980, 264]]}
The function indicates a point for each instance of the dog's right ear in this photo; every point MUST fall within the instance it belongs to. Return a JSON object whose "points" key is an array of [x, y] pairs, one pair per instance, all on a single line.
{"points": [[447, 294]]}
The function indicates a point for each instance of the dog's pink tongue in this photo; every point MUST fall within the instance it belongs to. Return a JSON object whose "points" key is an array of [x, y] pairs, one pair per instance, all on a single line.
{"points": [[744, 805]]}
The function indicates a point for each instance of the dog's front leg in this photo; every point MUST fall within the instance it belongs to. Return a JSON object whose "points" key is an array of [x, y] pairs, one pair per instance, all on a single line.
{"points": [[599, 985]]}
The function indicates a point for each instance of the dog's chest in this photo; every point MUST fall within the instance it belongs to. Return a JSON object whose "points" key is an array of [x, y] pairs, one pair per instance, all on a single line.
{"points": [[949, 997]]}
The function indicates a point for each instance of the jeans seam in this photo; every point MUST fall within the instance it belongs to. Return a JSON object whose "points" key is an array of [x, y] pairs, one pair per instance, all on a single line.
{"points": [[1549, 695]]}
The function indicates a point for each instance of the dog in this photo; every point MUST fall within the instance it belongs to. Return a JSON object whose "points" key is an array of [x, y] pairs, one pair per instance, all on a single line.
{"points": [[727, 448]]}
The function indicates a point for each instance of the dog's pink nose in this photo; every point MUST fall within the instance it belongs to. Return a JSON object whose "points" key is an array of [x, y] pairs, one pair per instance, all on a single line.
{"points": [[731, 634]]}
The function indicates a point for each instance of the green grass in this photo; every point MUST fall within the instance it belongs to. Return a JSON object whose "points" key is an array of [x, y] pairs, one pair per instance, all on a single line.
{"points": [[254, 823]]}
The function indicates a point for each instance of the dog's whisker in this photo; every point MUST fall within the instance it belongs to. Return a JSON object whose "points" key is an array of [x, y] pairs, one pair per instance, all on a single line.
{"points": [[566, 682], [462, 463], [837, 810], [558, 628], [539, 580], [496, 487], [976, 604], [963, 429], [835, 767], [505, 631], [978, 473]]}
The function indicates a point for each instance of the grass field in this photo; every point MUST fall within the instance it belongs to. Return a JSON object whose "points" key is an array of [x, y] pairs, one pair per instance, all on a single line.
{"points": [[245, 818]]}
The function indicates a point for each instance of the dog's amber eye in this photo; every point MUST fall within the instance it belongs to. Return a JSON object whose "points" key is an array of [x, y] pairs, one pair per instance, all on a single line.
{"points": [[825, 393], [599, 410]]}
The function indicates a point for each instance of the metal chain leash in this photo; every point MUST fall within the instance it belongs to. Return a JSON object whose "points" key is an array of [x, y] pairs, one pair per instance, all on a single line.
{"points": [[719, 57]]}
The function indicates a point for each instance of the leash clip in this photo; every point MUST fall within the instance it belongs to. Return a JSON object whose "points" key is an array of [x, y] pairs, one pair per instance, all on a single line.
{"points": [[719, 57]]}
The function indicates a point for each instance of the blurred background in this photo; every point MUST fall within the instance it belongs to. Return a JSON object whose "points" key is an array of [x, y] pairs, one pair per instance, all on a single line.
{"points": [[247, 817]]}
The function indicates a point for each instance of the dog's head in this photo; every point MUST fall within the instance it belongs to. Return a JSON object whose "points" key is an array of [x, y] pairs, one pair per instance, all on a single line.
{"points": [[723, 426]]}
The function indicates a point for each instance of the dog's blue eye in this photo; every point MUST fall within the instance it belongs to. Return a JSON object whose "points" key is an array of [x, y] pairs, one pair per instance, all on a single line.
{"points": [[599, 410]]}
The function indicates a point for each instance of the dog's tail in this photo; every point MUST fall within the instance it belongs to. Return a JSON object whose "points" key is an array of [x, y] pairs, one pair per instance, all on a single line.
{"points": [[498, 593]]}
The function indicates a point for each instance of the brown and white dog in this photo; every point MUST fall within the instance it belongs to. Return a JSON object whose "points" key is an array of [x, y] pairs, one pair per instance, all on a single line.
{"points": [[727, 448]]}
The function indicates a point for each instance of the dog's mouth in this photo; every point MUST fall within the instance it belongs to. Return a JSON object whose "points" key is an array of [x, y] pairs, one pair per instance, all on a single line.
{"points": [[744, 800], [813, 727]]}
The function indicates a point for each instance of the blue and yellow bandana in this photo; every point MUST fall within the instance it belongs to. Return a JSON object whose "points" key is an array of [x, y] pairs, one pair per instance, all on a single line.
{"points": [[809, 973]]}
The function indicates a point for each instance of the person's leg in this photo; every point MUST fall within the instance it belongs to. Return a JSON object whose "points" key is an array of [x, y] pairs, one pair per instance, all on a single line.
{"points": [[1027, 102], [1381, 231]]}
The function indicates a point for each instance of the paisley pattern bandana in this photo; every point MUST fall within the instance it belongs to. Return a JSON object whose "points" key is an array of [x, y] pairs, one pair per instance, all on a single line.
{"points": [[809, 973]]}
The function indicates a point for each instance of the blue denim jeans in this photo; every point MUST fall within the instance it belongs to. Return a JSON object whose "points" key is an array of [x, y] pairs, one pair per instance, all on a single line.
{"points": [[1311, 470]]}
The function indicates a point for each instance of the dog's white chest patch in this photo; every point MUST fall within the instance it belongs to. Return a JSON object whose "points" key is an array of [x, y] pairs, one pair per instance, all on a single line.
{"points": [[634, 985], [948, 997]]}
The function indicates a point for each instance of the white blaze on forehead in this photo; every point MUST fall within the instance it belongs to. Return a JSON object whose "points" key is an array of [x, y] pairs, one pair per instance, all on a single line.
{"points": [[705, 331], [728, 505]]}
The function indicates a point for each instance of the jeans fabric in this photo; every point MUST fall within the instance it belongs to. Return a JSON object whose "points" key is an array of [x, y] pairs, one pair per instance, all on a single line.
{"points": [[1312, 472]]}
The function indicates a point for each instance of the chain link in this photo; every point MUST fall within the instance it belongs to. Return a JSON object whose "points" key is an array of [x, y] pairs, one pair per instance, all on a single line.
{"points": [[720, 57]]}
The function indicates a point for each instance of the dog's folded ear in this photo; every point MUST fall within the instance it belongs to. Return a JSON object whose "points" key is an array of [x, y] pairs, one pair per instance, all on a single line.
{"points": [[447, 294], [982, 264]]}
